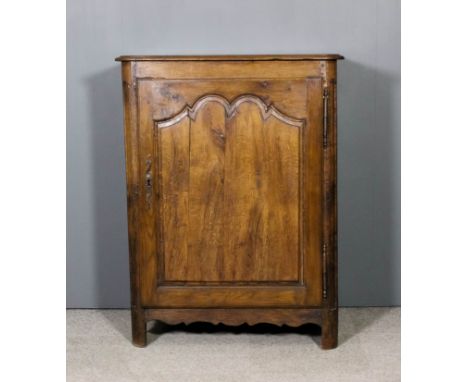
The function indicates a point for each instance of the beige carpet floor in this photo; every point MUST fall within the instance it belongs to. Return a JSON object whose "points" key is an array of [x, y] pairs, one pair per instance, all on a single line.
{"points": [[99, 349]]}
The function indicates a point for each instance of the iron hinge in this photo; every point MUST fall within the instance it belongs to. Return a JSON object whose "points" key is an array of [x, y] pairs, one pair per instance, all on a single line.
{"points": [[325, 116]]}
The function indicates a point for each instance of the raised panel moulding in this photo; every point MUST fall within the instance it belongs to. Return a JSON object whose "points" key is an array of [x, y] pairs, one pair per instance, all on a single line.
{"points": [[231, 109]]}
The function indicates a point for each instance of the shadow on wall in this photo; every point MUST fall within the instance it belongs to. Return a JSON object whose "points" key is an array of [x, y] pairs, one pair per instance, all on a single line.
{"points": [[111, 271], [368, 187]]}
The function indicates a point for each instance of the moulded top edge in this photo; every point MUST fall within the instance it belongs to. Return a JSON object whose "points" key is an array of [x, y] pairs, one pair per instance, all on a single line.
{"points": [[283, 57]]}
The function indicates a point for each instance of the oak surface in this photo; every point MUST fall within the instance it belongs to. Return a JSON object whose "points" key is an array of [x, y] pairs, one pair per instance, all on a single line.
{"points": [[231, 182]]}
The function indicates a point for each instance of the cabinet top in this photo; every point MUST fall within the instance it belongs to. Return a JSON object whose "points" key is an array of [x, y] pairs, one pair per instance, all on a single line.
{"points": [[263, 57]]}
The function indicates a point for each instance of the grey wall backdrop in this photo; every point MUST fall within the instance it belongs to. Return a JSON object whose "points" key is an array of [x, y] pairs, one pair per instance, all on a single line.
{"points": [[366, 32]]}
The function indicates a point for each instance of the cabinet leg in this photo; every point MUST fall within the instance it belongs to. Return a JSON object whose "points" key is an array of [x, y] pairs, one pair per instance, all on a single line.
{"points": [[329, 329], [138, 327]]}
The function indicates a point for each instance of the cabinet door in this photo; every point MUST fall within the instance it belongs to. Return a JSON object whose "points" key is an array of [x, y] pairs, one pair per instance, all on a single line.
{"points": [[230, 214]]}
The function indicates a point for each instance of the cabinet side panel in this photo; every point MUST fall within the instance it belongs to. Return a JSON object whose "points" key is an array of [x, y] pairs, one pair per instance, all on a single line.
{"points": [[312, 189], [329, 187], [131, 162], [332, 193]]}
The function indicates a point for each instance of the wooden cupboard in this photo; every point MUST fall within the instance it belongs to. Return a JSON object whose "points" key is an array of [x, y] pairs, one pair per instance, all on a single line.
{"points": [[231, 190]]}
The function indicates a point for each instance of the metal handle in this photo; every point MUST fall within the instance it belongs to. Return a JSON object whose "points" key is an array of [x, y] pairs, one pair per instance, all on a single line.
{"points": [[149, 183]]}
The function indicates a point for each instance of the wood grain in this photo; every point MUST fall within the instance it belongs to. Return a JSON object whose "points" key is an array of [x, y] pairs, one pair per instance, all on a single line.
{"points": [[261, 195], [230, 192], [172, 96], [174, 172], [206, 207], [252, 316], [179, 70], [231, 205]]}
